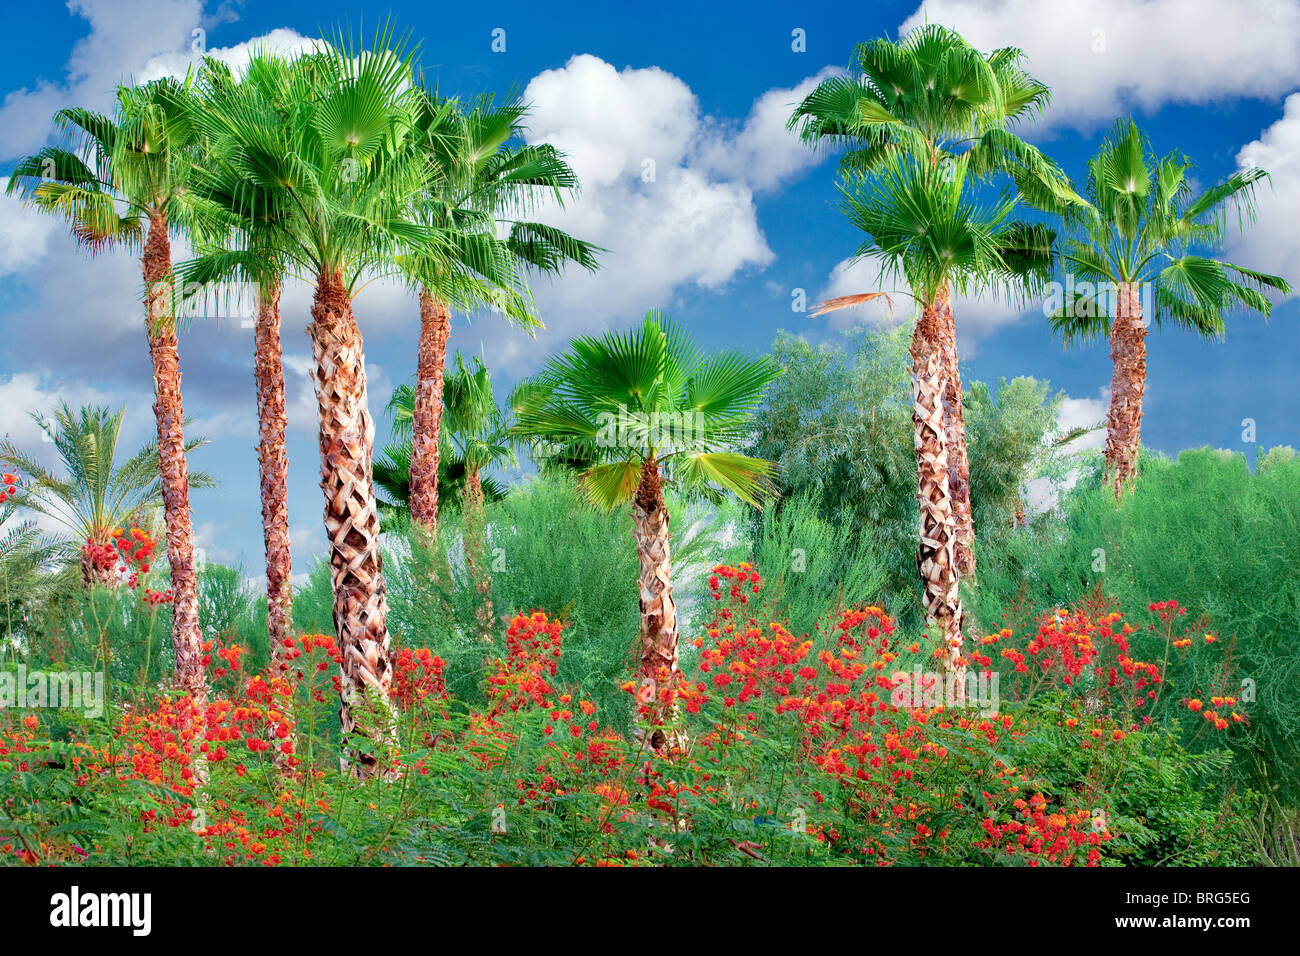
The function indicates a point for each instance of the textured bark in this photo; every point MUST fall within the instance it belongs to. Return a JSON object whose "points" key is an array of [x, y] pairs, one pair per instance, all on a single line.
{"points": [[92, 574], [187, 639], [435, 327], [1128, 355], [658, 652], [936, 556], [476, 554], [273, 468], [955, 437], [347, 435]]}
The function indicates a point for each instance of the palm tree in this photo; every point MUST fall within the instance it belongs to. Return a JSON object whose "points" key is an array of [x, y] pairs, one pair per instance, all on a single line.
{"points": [[476, 437], [240, 243], [335, 176], [121, 172], [480, 437], [932, 96], [94, 495], [26, 557], [649, 409], [1145, 238], [480, 180], [923, 226]]}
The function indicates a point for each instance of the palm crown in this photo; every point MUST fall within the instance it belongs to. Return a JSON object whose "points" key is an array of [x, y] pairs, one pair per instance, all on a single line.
{"points": [[477, 181], [647, 396], [118, 169], [316, 155], [925, 227], [934, 97], [96, 494], [1142, 229]]}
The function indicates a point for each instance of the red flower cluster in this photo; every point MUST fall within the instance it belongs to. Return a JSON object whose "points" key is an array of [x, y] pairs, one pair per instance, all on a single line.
{"points": [[8, 486]]}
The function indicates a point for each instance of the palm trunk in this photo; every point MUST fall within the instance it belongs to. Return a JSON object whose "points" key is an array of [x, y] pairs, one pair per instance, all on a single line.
{"points": [[187, 639], [347, 434], [93, 574], [273, 466], [1128, 355], [955, 437], [435, 327], [658, 652], [936, 557], [476, 553]]}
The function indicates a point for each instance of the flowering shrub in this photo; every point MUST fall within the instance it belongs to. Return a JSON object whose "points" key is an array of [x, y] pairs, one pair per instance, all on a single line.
{"points": [[783, 748]]}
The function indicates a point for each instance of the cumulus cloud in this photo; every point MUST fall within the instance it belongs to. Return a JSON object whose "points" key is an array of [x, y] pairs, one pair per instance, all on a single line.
{"points": [[122, 38], [1042, 494], [25, 393], [1106, 57], [1271, 243], [282, 40], [669, 192], [143, 40], [23, 233]]}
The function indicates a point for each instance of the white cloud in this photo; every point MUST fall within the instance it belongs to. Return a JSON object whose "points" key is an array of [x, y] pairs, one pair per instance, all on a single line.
{"points": [[122, 38], [1272, 243], [1043, 494], [23, 233], [282, 40], [142, 40], [1106, 57], [763, 153], [669, 192]]}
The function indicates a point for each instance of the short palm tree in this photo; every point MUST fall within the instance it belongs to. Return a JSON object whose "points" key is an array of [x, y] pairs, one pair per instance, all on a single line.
{"points": [[121, 173], [27, 558], [335, 176], [1148, 232], [94, 495], [924, 226], [476, 438], [650, 409], [932, 96], [481, 179]]}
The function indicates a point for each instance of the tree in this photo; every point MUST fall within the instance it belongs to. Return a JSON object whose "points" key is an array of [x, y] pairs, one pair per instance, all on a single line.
{"points": [[480, 179], [26, 555], [241, 242], [336, 176], [649, 408], [1146, 237], [475, 437], [933, 97], [925, 228], [119, 173], [94, 495]]}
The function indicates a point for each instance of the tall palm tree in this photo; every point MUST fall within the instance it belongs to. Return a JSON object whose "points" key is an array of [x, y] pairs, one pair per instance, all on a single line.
{"points": [[94, 494], [120, 173], [649, 408], [933, 96], [924, 226], [336, 175], [1148, 233], [481, 180], [239, 242]]}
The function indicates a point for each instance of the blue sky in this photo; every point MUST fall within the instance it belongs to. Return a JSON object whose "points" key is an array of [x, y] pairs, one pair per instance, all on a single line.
{"points": [[737, 218]]}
